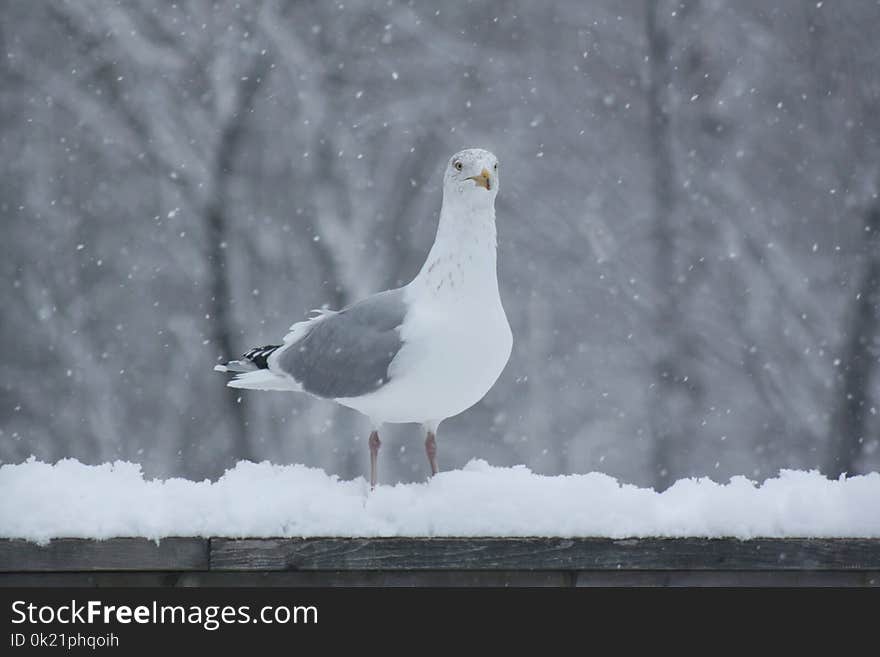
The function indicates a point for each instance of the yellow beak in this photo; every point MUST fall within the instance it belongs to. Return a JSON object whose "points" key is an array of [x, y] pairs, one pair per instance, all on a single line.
{"points": [[483, 180]]}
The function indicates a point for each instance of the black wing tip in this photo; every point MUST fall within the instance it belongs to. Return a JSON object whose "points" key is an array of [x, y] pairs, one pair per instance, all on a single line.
{"points": [[259, 356]]}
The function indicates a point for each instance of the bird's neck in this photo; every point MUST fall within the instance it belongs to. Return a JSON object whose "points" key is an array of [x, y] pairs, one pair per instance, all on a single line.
{"points": [[462, 262]]}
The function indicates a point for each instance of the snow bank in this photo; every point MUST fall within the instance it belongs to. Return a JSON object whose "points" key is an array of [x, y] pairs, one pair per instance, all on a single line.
{"points": [[39, 501]]}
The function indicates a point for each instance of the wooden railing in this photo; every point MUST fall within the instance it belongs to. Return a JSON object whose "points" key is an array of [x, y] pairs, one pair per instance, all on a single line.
{"points": [[442, 562]]}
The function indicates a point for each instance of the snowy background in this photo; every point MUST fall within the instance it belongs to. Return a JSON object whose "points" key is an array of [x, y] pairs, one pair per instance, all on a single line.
{"points": [[689, 245]]}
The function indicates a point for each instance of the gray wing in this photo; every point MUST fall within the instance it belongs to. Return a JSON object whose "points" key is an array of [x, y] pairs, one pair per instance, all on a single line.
{"points": [[347, 354]]}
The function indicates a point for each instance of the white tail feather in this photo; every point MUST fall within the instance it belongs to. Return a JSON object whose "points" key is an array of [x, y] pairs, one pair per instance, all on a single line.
{"points": [[264, 380]]}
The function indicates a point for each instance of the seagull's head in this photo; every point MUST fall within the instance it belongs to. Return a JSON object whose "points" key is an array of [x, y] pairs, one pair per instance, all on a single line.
{"points": [[473, 175]]}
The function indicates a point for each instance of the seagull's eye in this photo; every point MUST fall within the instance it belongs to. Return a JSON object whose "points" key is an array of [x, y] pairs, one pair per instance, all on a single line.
{"points": [[496, 166], [457, 165]]}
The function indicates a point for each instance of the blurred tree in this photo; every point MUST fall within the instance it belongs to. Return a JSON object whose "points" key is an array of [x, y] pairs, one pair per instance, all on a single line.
{"points": [[231, 128], [676, 393], [850, 419], [847, 113]]}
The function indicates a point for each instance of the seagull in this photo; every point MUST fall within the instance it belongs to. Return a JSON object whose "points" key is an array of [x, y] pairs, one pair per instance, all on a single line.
{"points": [[420, 353]]}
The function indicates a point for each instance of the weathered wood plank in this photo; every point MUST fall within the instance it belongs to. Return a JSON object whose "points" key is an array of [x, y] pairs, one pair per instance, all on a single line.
{"points": [[393, 578], [94, 578], [729, 578], [448, 578], [126, 554], [396, 555], [543, 554], [303, 578]]}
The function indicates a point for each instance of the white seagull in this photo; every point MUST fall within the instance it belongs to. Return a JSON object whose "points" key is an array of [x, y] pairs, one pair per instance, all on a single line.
{"points": [[420, 353]]}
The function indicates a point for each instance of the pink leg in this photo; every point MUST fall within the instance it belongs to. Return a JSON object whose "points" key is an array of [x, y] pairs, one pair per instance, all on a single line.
{"points": [[375, 443], [431, 451]]}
